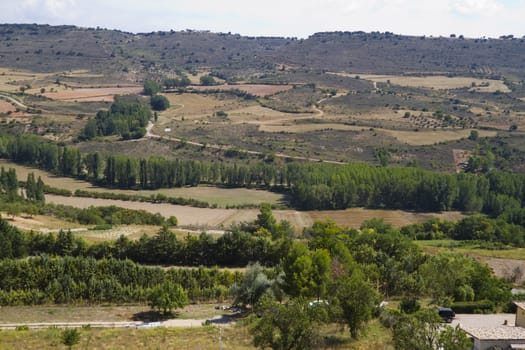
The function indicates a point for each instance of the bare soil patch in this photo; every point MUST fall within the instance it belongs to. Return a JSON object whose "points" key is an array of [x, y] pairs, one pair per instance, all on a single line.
{"points": [[6, 107], [106, 94], [354, 217], [207, 218], [509, 269]]}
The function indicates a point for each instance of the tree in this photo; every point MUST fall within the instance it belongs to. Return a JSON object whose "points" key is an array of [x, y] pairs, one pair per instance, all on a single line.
{"points": [[159, 103], [70, 337], [151, 87], [168, 296], [254, 284], [207, 80], [424, 331], [265, 218], [290, 326], [474, 135], [172, 221], [354, 299]]}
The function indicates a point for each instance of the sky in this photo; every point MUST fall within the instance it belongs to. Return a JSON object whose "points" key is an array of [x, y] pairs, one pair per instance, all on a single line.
{"points": [[289, 18]]}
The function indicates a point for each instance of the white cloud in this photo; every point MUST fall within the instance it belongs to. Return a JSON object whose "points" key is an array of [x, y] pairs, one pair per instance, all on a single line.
{"points": [[475, 7], [49, 8]]}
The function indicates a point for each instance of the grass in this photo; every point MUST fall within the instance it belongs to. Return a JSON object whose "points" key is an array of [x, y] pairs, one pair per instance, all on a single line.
{"points": [[471, 248], [40, 222], [127, 339], [440, 82], [234, 338]]}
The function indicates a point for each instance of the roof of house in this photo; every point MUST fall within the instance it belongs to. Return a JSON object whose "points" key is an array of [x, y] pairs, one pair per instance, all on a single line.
{"points": [[520, 304], [496, 333]]}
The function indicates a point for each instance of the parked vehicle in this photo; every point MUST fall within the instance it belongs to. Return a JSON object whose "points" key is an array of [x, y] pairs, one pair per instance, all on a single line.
{"points": [[446, 313]]}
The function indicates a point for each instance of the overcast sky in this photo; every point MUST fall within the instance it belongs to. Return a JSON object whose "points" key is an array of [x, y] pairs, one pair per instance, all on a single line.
{"points": [[292, 18]]}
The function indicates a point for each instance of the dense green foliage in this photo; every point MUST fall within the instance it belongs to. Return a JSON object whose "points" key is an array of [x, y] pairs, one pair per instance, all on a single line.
{"points": [[151, 88], [44, 279], [128, 117], [507, 229], [290, 326], [70, 337], [159, 103], [235, 248], [167, 296], [177, 82], [424, 331]]}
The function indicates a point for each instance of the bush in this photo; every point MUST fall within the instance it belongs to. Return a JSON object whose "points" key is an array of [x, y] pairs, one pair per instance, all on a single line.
{"points": [[159, 103], [409, 305], [473, 307]]}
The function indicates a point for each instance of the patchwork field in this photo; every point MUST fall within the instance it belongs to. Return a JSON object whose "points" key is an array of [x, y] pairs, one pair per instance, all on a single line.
{"points": [[439, 82], [92, 94], [420, 138], [254, 89], [207, 218]]}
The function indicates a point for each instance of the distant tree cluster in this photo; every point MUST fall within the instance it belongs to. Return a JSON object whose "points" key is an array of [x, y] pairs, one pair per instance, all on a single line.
{"points": [[127, 117], [177, 82], [158, 102]]}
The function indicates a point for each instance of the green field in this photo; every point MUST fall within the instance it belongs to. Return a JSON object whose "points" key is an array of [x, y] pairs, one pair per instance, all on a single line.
{"points": [[232, 337], [471, 248]]}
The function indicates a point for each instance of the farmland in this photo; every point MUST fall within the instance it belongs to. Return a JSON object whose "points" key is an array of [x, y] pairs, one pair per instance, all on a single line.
{"points": [[250, 135]]}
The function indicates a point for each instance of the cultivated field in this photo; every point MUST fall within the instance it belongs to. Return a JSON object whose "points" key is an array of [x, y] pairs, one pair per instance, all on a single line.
{"points": [[439, 82], [106, 94], [254, 89], [6, 107], [11, 80], [40, 223], [207, 218], [419, 138]]}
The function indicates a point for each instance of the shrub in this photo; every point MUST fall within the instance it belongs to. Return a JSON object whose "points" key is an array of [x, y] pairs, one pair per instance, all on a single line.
{"points": [[473, 307]]}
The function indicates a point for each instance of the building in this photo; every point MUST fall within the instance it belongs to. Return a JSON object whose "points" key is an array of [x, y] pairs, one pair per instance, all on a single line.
{"points": [[504, 335]]}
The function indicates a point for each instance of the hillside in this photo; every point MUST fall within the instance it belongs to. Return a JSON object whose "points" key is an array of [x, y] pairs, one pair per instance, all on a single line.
{"points": [[45, 48]]}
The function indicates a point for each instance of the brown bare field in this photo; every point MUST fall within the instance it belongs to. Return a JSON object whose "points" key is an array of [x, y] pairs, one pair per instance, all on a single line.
{"points": [[92, 94], [440, 82], [207, 218], [430, 137], [508, 268], [6, 107], [354, 217], [254, 89], [110, 313]]}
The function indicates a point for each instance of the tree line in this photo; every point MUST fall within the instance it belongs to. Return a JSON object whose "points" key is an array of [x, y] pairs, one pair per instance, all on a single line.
{"points": [[66, 280], [312, 186], [234, 249]]}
